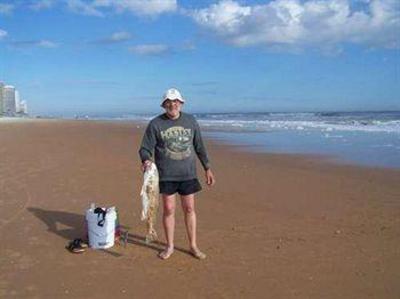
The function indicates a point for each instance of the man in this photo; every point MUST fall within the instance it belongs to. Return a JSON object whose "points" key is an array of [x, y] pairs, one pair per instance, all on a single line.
{"points": [[174, 138]]}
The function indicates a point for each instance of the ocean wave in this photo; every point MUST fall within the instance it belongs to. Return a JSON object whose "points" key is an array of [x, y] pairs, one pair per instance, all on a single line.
{"points": [[388, 122], [325, 126]]}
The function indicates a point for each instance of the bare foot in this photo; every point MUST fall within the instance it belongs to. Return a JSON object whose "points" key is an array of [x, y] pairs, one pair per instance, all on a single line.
{"points": [[166, 253], [198, 254]]}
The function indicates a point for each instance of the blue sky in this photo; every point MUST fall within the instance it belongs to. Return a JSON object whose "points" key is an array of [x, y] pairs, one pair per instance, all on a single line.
{"points": [[119, 56]]}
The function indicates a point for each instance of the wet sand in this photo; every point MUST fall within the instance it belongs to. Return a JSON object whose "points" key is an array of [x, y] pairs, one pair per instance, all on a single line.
{"points": [[274, 226]]}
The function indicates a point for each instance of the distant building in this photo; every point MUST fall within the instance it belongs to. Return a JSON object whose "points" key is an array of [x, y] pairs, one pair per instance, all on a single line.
{"points": [[23, 107], [1, 98], [17, 102], [9, 100]]}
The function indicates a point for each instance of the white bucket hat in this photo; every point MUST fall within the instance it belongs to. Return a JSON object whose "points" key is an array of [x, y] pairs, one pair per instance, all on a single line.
{"points": [[172, 94]]}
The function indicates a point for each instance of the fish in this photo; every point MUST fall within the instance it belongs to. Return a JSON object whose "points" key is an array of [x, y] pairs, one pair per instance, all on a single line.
{"points": [[150, 200]]}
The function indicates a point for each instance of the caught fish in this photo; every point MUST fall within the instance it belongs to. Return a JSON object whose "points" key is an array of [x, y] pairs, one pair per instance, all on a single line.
{"points": [[149, 194]]}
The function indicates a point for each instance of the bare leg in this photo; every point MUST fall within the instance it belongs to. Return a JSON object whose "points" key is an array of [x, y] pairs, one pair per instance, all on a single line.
{"points": [[187, 202], [169, 224]]}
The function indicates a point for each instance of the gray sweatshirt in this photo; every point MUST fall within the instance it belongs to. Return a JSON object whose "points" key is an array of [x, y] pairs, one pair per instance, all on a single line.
{"points": [[174, 144]]}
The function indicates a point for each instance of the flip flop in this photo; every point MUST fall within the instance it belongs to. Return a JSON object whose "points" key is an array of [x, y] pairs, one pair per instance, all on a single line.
{"points": [[75, 246], [82, 243], [198, 254], [164, 255]]}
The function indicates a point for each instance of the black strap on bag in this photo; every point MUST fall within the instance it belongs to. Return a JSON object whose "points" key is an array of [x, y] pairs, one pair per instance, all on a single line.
{"points": [[100, 214]]}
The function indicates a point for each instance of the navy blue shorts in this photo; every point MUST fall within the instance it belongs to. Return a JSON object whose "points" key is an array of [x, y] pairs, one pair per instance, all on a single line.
{"points": [[182, 187]]}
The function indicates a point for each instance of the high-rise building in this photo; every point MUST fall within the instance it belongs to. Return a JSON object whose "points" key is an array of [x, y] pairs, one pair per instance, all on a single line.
{"points": [[9, 100], [17, 102], [1, 98], [24, 107]]}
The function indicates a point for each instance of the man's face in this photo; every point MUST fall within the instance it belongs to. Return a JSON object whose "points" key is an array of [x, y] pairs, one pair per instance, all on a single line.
{"points": [[172, 108]]}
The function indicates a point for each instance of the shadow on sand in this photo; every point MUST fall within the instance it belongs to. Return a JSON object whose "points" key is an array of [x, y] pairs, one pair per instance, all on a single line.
{"points": [[155, 245], [71, 226], [64, 224]]}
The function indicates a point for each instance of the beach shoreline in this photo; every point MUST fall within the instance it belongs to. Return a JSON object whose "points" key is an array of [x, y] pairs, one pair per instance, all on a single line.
{"points": [[290, 226], [216, 136]]}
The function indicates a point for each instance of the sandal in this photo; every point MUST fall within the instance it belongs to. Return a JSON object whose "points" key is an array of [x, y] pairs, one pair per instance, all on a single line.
{"points": [[76, 246], [198, 254], [82, 243], [165, 254]]}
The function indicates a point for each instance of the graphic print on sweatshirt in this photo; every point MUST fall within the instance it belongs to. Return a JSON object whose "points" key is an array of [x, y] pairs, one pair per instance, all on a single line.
{"points": [[177, 142]]}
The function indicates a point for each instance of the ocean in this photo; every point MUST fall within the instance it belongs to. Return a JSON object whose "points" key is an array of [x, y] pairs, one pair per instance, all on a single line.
{"points": [[363, 138]]}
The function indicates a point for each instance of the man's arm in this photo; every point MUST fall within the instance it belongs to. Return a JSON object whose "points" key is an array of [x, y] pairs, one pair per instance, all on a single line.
{"points": [[210, 179], [201, 152], [199, 147], [148, 144]]}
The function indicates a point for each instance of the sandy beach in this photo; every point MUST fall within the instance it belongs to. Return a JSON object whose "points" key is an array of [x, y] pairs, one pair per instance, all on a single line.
{"points": [[274, 226]]}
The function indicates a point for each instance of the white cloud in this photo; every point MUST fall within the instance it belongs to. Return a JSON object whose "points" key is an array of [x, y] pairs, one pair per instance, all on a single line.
{"points": [[3, 34], [151, 49], [42, 4], [46, 44], [137, 7], [120, 36], [116, 37], [226, 17], [160, 49], [83, 8], [6, 8], [34, 43], [297, 24]]}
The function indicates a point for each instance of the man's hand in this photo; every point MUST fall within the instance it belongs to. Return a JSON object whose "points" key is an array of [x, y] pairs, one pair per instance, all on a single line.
{"points": [[145, 165], [210, 177]]}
